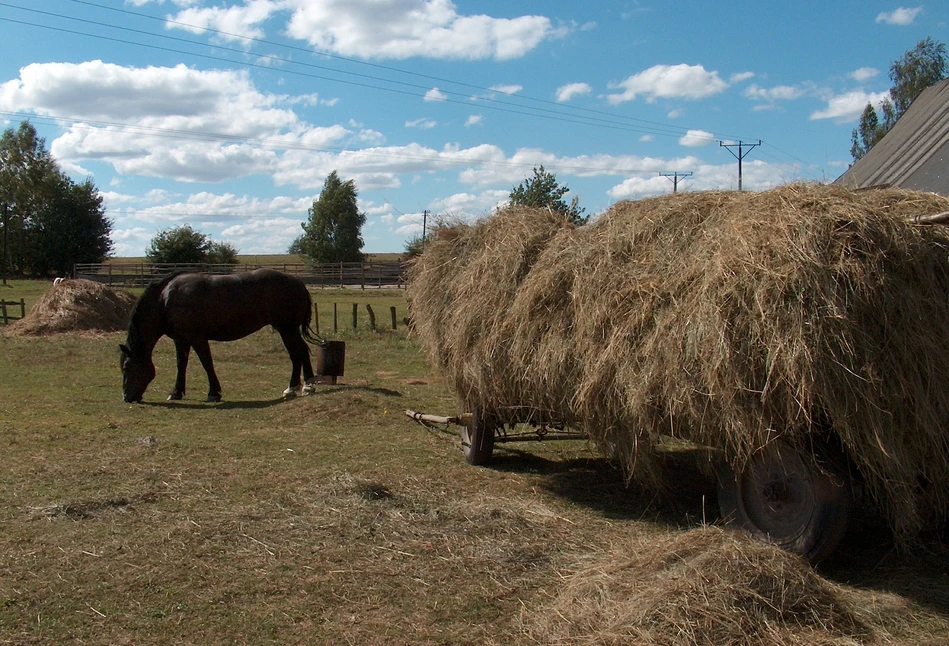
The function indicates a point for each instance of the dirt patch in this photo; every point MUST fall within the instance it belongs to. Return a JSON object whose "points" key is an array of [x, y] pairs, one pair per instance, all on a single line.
{"points": [[76, 306]]}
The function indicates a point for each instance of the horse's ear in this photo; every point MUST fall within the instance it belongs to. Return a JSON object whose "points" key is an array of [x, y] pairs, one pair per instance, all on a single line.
{"points": [[124, 349]]}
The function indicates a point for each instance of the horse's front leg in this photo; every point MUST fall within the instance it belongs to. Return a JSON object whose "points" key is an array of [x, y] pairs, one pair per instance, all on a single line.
{"points": [[182, 350], [203, 350]]}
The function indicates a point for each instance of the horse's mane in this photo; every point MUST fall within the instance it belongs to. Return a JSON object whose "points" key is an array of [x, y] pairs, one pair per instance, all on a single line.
{"points": [[142, 306]]}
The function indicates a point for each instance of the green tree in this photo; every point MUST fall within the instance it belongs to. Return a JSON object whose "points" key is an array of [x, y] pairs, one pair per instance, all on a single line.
{"points": [[333, 230], [68, 229], [414, 246], [222, 253], [181, 245], [915, 71], [48, 221], [543, 191]]}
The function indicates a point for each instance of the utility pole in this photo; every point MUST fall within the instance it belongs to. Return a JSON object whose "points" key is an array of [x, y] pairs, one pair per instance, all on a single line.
{"points": [[424, 224], [740, 155], [6, 236], [675, 175]]}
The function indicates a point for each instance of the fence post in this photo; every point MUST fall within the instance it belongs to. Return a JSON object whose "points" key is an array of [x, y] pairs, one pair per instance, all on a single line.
{"points": [[22, 308], [372, 317], [362, 276], [335, 323], [316, 317], [392, 312], [355, 313], [341, 275], [3, 306]]}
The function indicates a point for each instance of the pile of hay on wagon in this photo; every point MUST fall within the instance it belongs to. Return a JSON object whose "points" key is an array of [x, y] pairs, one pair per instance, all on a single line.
{"points": [[76, 306], [726, 319]]}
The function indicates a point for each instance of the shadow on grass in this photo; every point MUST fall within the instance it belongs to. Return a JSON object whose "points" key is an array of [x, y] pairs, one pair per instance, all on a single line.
{"points": [[267, 403], [224, 405], [684, 498], [867, 558]]}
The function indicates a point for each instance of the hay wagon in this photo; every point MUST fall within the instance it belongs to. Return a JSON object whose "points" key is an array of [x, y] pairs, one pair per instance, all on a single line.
{"points": [[798, 333]]}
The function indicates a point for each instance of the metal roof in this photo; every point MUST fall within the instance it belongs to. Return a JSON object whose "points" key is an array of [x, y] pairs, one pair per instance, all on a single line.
{"points": [[914, 154]]}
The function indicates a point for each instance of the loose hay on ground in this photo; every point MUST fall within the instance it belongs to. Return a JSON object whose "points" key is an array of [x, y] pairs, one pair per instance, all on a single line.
{"points": [[703, 587], [731, 320], [76, 306]]}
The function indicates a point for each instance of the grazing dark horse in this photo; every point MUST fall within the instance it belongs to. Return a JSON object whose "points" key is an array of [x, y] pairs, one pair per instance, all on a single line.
{"points": [[193, 309]]}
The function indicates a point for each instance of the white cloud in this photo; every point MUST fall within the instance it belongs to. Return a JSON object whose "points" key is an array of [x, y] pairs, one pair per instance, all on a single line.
{"points": [[900, 16], [739, 77], [696, 139], [849, 106], [674, 114], [435, 95], [400, 29], [638, 187], [646, 138], [772, 94], [864, 74], [473, 120], [570, 90], [756, 176], [370, 137], [507, 89], [469, 204], [667, 82], [424, 124], [235, 23]]}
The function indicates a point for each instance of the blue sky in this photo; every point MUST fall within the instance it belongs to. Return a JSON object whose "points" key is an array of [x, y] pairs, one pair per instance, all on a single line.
{"points": [[228, 115]]}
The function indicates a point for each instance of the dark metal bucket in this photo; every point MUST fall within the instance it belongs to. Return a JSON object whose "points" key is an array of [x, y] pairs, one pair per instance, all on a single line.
{"points": [[330, 359]]}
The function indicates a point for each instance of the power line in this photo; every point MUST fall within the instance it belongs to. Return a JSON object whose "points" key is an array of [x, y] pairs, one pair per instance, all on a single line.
{"points": [[515, 108], [560, 106]]}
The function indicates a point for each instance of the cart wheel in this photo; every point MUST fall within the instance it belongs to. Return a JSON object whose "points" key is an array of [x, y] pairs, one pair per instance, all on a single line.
{"points": [[792, 498], [477, 440]]}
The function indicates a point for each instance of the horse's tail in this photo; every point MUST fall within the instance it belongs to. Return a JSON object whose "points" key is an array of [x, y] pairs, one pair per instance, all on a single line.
{"points": [[305, 329]]}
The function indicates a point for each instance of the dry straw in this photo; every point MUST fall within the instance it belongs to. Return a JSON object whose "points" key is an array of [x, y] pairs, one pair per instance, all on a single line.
{"points": [[706, 587], [726, 319], [76, 306]]}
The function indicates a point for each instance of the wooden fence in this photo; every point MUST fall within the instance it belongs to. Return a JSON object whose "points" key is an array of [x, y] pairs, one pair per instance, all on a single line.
{"points": [[5, 313], [352, 275]]}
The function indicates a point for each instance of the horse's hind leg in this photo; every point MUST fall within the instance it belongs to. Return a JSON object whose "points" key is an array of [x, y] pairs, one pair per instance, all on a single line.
{"points": [[182, 350], [299, 358], [203, 350]]}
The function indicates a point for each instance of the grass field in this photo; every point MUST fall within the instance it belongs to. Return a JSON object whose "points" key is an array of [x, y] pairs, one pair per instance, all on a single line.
{"points": [[326, 519]]}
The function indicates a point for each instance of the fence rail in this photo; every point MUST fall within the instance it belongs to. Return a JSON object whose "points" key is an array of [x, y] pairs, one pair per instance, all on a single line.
{"points": [[5, 313], [358, 275]]}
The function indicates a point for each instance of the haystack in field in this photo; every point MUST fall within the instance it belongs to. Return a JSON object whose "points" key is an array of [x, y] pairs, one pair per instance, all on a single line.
{"points": [[703, 587], [727, 319], [76, 306]]}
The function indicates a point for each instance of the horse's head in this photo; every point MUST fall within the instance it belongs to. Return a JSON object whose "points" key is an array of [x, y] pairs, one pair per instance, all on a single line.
{"points": [[137, 372]]}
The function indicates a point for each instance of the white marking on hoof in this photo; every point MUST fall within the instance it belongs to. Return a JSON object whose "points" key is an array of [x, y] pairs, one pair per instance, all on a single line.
{"points": [[307, 390], [290, 393]]}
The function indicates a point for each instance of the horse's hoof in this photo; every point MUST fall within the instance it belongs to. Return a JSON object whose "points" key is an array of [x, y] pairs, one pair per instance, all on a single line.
{"points": [[307, 390], [290, 393], [173, 397], [213, 397]]}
